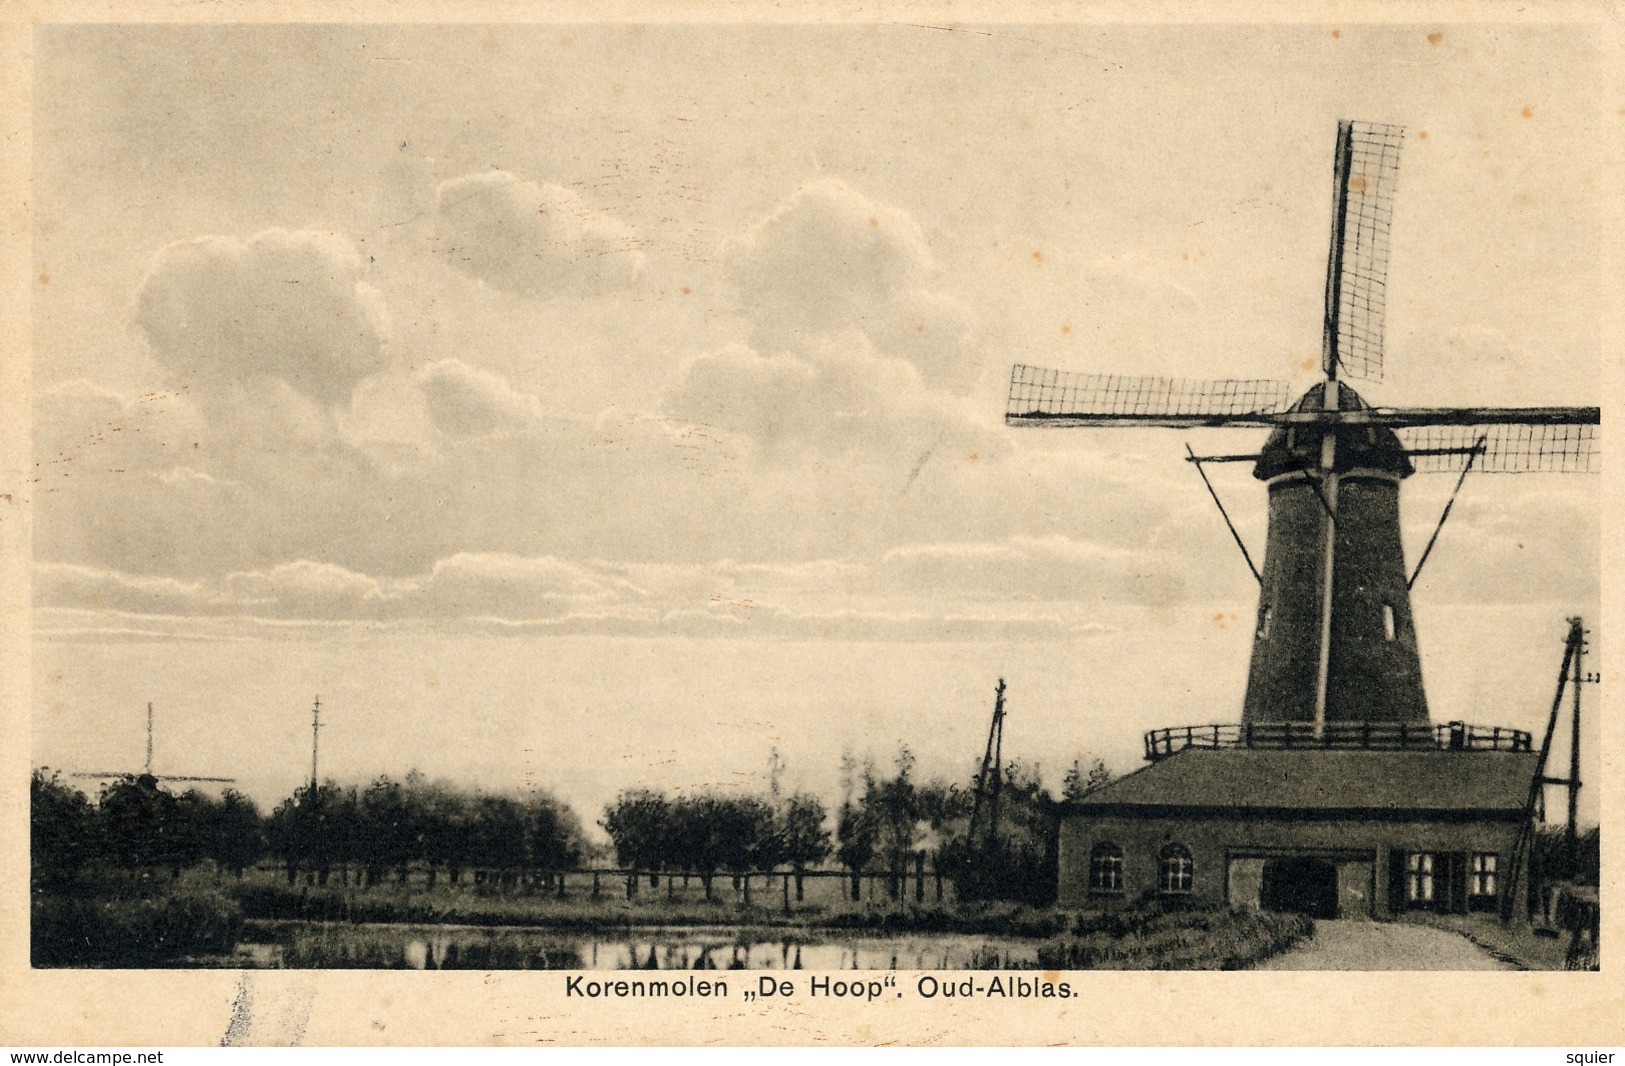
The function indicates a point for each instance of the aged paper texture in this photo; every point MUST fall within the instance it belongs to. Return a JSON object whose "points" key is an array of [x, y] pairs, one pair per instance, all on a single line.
{"points": [[499, 495]]}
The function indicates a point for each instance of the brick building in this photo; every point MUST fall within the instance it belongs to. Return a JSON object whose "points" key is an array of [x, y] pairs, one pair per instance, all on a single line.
{"points": [[1334, 833]]}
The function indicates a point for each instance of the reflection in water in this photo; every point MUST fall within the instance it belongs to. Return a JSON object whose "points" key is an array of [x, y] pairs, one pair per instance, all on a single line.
{"points": [[464, 947]]}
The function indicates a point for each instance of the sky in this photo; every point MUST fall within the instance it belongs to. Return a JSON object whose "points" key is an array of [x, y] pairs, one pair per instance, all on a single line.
{"points": [[581, 407]]}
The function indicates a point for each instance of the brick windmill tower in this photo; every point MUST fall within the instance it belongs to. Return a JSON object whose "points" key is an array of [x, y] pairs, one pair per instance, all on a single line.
{"points": [[1335, 793]]}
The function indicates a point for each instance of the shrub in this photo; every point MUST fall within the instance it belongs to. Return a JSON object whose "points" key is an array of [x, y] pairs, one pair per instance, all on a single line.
{"points": [[131, 932], [977, 917], [1180, 937]]}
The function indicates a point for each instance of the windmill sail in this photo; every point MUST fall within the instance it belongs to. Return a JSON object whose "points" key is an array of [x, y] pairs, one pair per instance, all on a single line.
{"points": [[109, 775], [1059, 397], [1503, 448], [1367, 172]]}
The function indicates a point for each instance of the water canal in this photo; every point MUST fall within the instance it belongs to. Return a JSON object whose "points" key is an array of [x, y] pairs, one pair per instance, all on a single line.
{"points": [[450, 947]]}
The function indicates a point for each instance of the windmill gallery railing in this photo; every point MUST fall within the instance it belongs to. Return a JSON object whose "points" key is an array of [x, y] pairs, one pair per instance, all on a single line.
{"points": [[1375, 736]]}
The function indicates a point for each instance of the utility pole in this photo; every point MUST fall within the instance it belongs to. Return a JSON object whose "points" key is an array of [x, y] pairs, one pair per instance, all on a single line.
{"points": [[1570, 673], [990, 779], [1572, 837], [149, 739], [315, 729], [998, 768]]}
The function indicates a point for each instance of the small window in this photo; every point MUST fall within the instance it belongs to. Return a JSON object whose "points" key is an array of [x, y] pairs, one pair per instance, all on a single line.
{"points": [[1388, 621], [1106, 868], [1419, 877], [1264, 621], [1484, 867], [1176, 871]]}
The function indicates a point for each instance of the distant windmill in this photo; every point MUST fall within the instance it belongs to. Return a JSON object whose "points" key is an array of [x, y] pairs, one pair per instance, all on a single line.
{"points": [[146, 776], [1334, 642]]}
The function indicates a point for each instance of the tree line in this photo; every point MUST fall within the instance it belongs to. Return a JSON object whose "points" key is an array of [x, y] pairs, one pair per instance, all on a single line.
{"points": [[889, 822], [364, 835]]}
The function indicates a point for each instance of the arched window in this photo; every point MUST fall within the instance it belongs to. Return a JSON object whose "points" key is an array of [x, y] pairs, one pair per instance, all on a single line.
{"points": [[1105, 867], [1176, 871], [1388, 629], [1263, 621]]}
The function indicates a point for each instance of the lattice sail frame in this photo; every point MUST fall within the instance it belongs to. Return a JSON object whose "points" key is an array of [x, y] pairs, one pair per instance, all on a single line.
{"points": [[1359, 256], [1104, 397], [1503, 448]]}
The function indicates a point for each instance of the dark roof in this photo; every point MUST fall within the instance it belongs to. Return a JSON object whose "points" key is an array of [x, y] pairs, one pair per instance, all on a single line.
{"points": [[1325, 780], [1295, 447]]}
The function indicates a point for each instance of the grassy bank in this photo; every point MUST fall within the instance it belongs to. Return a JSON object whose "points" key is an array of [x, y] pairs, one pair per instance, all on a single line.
{"points": [[1149, 939], [140, 932], [413, 905], [272, 898]]}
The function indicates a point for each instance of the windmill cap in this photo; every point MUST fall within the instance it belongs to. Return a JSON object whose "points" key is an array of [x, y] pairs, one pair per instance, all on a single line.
{"points": [[1364, 447]]}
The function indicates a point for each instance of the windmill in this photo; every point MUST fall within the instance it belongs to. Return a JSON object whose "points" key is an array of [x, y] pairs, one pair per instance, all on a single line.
{"points": [[1334, 648], [147, 778]]}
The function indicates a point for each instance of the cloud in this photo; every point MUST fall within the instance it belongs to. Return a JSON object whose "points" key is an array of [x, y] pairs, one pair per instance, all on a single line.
{"points": [[291, 306], [1027, 568], [465, 401], [935, 332], [838, 394], [1021, 587], [88, 588], [842, 486], [1523, 543], [512, 586], [303, 589], [534, 240], [829, 261], [766, 400], [826, 254], [80, 426], [1013, 586]]}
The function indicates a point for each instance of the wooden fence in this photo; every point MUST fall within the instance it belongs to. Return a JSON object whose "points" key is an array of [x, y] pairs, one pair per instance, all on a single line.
{"points": [[783, 889], [763, 888]]}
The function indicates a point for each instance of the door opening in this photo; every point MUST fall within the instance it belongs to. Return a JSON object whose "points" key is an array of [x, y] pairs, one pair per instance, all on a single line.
{"points": [[1304, 885]]}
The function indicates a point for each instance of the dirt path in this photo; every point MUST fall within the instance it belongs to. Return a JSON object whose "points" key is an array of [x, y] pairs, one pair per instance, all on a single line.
{"points": [[1363, 945]]}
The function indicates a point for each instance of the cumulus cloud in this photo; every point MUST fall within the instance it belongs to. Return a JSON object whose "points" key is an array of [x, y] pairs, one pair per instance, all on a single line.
{"points": [[465, 401], [290, 306], [935, 332], [534, 240], [827, 253], [830, 261], [836, 394], [80, 426]]}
